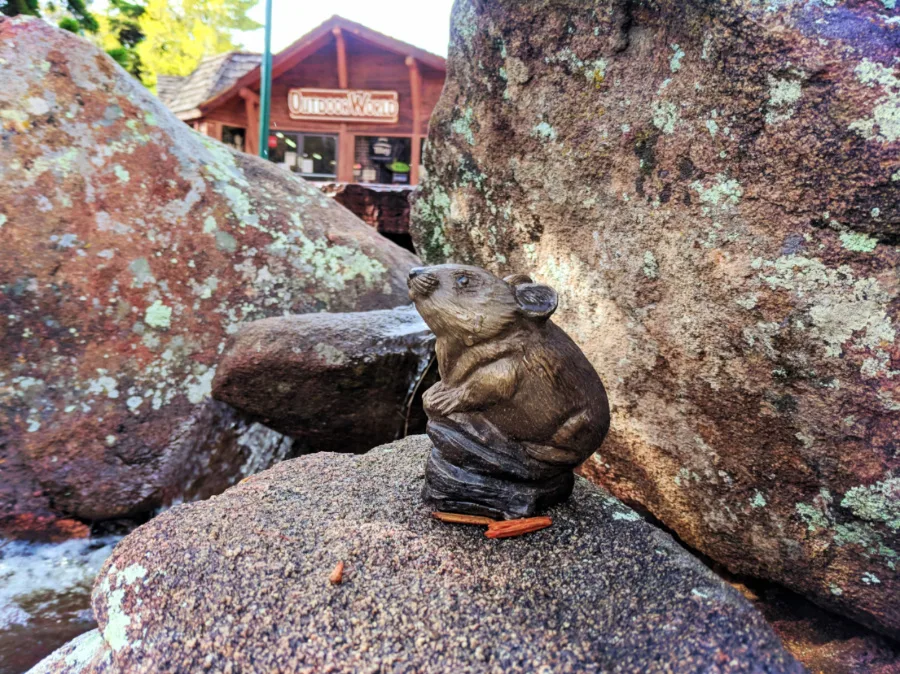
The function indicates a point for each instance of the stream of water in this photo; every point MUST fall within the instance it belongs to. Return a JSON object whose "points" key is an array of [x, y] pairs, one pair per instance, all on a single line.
{"points": [[45, 596]]}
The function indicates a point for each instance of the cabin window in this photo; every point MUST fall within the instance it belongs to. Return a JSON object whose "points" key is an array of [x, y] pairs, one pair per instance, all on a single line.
{"points": [[234, 136], [314, 156], [382, 160]]}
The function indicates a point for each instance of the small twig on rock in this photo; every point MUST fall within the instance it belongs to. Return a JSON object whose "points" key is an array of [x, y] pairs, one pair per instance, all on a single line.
{"points": [[510, 528], [337, 575], [458, 518]]}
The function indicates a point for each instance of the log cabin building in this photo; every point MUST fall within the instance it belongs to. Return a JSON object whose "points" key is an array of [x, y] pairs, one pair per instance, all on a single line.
{"points": [[348, 105]]}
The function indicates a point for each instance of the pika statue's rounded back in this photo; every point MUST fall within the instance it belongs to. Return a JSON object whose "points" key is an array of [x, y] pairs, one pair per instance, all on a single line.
{"points": [[518, 405]]}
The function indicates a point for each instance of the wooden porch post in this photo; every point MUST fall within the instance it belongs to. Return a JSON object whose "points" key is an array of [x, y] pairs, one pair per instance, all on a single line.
{"points": [[251, 106], [415, 87], [345, 153]]}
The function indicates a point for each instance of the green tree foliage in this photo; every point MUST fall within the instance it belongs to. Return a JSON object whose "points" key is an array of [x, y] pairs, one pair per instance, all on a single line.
{"points": [[121, 34], [73, 15], [164, 37]]}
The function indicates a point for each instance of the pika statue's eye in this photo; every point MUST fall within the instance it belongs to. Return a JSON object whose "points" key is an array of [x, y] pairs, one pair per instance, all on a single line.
{"points": [[462, 281]]}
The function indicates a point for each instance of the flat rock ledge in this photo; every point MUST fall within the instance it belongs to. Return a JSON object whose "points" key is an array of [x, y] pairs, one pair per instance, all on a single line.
{"points": [[239, 583]]}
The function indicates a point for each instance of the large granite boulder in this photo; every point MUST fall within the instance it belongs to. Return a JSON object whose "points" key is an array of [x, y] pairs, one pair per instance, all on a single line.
{"points": [[714, 190], [132, 248], [241, 583], [332, 382]]}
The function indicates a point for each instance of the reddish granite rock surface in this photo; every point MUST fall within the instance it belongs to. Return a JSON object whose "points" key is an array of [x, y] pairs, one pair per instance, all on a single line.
{"points": [[131, 248], [239, 583], [713, 190]]}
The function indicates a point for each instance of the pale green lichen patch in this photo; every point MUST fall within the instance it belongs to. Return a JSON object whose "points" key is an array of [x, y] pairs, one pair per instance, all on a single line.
{"points": [[870, 579], [104, 384], [544, 130], [115, 630], [16, 116], [651, 267], [665, 116], [158, 315], [814, 517], [884, 124], [822, 523], [835, 590], [432, 209], [2, 220], [132, 573], [675, 61], [121, 173], [747, 302], [199, 386], [225, 241], [86, 646], [685, 476], [330, 264], [877, 503], [331, 355], [858, 242], [758, 500], [629, 516], [37, 106], [142, 273], [114, 587], [783, 94], [463, 126], [842, 309], [593, 71], [724, 193], [465, 22]]}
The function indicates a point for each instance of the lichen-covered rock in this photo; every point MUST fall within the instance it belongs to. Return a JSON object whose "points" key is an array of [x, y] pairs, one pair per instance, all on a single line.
{"points": [[240, 582], [714, 189], [132, 247], [332, 382]]}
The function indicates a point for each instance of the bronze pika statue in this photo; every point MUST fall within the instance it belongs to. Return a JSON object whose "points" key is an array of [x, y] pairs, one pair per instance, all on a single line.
{"points": [[518, 405]]}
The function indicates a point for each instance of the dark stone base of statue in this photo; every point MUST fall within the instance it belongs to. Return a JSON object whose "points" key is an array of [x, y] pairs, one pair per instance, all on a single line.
{"points": [[474, 469]]}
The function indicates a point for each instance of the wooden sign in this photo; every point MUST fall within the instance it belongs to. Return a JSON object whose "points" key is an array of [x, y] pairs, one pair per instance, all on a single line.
{"points": [[341, 105]]}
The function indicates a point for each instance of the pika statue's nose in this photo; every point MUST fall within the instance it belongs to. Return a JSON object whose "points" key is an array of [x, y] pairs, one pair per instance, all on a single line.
{"points": [[415, 271]]}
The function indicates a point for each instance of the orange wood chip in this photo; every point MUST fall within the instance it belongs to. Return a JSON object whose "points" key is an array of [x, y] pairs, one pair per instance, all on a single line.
{"points": [[458, 518], [510, 528], [337, 575]]}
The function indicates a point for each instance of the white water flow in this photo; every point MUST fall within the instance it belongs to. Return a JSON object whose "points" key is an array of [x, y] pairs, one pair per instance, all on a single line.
{"points": [[45, 596]]}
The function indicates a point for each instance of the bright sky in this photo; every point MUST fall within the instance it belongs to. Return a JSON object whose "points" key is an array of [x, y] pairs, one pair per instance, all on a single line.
{"points": [[422, 23]]}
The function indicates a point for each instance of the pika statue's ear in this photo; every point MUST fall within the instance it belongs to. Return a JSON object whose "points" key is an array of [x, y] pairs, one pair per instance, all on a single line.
{"points": [[516, 279], [536, 300]]}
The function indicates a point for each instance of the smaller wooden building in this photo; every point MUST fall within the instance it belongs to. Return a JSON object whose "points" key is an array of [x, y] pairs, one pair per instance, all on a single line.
{"points": [[348, 104]]}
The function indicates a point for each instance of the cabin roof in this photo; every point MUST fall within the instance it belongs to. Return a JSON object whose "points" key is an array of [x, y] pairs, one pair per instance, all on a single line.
{"points": [[183, 95], [312, 42], [167, 88]]}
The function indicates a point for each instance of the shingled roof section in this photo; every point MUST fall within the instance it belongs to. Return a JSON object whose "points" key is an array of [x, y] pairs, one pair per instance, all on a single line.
{"points": [[214, 74], [167, 87]]}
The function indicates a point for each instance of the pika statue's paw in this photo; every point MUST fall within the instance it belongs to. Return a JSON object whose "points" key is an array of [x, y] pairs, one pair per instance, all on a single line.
{"points": [[439, 401]]}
